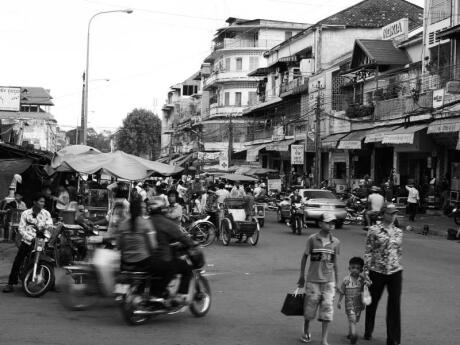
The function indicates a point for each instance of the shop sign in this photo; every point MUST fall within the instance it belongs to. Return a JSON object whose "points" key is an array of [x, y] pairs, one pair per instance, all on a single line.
{"points": [[438, 98], [278, 147], [396, 30], [444, 128], [350, 145], [297, 154], [278, 133], [223, 160], [10, 98], [274, 184]]}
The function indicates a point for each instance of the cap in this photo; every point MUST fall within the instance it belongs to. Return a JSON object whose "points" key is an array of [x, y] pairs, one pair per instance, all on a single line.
{"points": [[390, 209], [328, 217]]}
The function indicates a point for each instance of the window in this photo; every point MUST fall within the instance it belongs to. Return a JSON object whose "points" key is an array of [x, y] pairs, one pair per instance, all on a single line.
{"points": [[187, 90], [252, 98], [440, 10], [227, 64], [239, 64], [238, 99], [253, 63], [227, 99], [287, 35]]}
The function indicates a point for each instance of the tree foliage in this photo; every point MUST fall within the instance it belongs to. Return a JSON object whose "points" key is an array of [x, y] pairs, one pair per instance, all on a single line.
{"points": [[140, 134]]}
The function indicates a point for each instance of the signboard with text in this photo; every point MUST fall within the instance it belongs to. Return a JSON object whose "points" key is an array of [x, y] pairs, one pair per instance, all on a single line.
{"points": [[398, 30], [10, 98], [438, 98], [297, 154], [223, 160], [274, 184]]}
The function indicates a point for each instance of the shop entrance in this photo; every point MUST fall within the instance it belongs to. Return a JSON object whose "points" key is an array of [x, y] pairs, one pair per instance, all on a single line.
{"points": [[383, 164]]}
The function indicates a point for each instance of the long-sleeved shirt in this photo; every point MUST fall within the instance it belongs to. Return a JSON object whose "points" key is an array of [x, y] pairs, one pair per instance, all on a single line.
{"points": [[28, 220], [413, 196], [383, 250]]}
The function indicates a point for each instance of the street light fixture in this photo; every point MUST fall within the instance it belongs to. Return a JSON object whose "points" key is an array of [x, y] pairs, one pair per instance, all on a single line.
{"points": [[84, 124]]}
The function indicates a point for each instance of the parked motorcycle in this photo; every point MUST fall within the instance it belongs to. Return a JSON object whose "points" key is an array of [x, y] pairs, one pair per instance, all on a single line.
{"points": [[200, 229], [297, 215], [37, 270], [137, 305]]}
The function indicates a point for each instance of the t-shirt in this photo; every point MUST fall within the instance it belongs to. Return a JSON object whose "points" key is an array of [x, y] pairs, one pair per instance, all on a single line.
{"points": [[376, 202], [322, 252], [135, 245], [222, 194]]}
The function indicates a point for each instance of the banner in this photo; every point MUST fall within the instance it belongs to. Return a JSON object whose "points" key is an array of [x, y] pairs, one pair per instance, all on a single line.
{"points": [[223, 160], [10, 98], [297, 154]]}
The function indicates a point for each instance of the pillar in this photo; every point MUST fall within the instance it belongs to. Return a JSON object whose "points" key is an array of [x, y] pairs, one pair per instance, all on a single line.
{"points": [[373, 164], [396, 163]]}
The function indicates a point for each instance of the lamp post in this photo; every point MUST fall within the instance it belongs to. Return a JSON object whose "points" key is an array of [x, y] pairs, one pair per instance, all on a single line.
{"points": [[84, 123]]}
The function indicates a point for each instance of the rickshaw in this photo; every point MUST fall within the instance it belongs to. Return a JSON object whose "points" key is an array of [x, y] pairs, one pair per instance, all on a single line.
{"points": [[238, 222]]}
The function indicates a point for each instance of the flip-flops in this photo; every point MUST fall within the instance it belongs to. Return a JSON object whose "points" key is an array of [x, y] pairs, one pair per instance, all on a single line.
{"points": [[306, 338]]}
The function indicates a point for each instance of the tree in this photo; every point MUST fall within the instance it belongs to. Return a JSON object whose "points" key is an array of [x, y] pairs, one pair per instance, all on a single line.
{"points": [[140, 134]]}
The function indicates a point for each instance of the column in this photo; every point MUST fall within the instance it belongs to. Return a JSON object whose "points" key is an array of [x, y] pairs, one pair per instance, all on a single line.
{"points": [[373, 165], [396, 163]]}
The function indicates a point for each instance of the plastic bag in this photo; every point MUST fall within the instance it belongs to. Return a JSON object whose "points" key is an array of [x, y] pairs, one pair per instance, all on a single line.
{"points": [[366, 296]]}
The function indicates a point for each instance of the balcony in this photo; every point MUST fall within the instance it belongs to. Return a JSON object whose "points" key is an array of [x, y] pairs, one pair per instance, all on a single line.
{"points": [[294, 87], [216, 110], [222, 76], [238, 43], [391, 109]]}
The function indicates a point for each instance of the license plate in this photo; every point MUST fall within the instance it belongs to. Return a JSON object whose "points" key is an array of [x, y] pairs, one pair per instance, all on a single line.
{"points": [[39, 249], [121, 289]]}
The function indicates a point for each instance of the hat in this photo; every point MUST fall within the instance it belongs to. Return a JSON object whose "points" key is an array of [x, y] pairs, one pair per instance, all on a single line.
{"points": [[390, 209], [328, 217]]}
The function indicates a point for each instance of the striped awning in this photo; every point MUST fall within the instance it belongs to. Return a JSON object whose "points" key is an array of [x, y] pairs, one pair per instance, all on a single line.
{"points": [[376, 135], [403, 135], [253, 152], [353, 140], [280, 146], [444, 126], [330, 142]]}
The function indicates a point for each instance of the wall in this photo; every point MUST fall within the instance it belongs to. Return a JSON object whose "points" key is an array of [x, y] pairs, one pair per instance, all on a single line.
{"points": [[415, 52], [293, 47], [40, 133]]}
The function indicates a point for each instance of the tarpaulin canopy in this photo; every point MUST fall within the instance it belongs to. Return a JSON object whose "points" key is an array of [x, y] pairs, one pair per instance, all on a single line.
{"points": [[10, 167], [236, 177], [120, 165], [69, 152]]}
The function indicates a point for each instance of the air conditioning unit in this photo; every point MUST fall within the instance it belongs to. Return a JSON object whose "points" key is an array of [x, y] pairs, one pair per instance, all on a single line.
{"points": [[307, 66]]}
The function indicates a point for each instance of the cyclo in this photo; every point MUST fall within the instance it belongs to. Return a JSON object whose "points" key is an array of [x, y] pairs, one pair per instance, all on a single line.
{"points": [[239, 222]]}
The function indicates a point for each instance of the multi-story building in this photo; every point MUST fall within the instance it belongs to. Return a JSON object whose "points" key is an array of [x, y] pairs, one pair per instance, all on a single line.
{"points": [[25, 117], [305, 74], [181, 133], [227, 89]]}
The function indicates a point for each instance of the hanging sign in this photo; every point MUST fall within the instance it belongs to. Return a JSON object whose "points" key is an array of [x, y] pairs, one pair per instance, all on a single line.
{"points": [[223, 160], [297, 154]]}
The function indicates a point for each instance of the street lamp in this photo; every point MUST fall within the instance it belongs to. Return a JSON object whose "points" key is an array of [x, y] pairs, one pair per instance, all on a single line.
{"points": [[84, 124]]}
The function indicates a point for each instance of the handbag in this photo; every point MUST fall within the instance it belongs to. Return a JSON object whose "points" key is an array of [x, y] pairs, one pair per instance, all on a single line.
{"points": [[293, 304], [366, 296]]}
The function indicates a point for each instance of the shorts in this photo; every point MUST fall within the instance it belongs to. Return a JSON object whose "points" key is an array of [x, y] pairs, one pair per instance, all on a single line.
{"points": [[319, 296]]}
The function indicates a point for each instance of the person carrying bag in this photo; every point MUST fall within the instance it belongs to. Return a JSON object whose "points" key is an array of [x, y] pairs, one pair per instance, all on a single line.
{"points": [[293, 304]]}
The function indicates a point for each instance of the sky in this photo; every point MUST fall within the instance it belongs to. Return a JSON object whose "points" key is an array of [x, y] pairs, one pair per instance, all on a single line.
{"points": [[134, 58]]}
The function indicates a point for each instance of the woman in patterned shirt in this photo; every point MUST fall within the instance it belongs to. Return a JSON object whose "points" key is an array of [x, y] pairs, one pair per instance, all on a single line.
{"points": [[383, 267]]}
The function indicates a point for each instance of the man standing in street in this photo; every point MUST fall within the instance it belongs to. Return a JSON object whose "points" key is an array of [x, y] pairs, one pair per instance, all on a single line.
{"points": [[413, 199], [320, 286]]}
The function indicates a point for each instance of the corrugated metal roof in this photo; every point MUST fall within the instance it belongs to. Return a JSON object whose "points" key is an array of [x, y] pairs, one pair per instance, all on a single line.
{"points": [[20, 115], [380, 52], [35, 96]]}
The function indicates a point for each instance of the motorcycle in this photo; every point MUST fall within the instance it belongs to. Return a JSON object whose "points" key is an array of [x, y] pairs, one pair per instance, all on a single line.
{"points": [[297, 214], [354, 216], [137, 305], [37, 270], [199, 228]]}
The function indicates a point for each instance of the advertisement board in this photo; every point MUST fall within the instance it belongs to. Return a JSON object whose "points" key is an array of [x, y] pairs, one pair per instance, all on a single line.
{"points": [[274, 184], [223, 160], [10, 98], [297, 154]]}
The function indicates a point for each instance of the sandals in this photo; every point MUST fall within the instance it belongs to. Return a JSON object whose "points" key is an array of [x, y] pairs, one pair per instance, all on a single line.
{"points": [[306, 338]]}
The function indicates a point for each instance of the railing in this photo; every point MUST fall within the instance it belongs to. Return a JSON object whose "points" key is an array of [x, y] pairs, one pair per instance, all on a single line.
{"points": [[235, 43], [396, 107], [293, 84]]}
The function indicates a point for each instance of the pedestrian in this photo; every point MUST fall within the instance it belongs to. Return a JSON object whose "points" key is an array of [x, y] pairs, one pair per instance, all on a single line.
{"points": [[63, 199], [382, 267], [322, 248], [352, 289], [413, 199]]}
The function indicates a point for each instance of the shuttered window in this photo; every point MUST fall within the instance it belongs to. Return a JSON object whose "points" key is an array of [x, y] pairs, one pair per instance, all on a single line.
{"points": [[440, 10]]}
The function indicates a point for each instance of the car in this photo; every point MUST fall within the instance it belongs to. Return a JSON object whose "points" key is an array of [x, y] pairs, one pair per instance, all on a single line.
{"points": [[318, 201]]}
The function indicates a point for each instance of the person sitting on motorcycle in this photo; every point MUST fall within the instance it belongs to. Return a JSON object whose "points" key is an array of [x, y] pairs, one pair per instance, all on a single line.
{"points": [[375, 203], [163, 262], [296, 198], [34, 221], [174, 210]]}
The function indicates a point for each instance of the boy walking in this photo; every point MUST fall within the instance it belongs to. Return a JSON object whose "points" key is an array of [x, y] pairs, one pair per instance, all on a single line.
{"points": [[322, 248], [352, 288]]}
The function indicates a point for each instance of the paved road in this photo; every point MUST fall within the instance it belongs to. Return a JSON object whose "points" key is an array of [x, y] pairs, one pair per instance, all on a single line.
{"points": [[249, 284]]}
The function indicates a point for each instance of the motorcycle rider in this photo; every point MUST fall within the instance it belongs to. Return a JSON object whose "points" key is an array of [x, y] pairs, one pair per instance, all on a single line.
{"points": [[162, 261], [31, 220], [296, 198], [174, 210], [375, 203]]}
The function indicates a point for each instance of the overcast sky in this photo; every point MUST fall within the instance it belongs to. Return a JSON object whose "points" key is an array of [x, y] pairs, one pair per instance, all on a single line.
{"points": [[43, 43]]}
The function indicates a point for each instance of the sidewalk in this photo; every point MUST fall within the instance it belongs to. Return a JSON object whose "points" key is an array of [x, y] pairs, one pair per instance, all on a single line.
{"points": [[437, 224]]}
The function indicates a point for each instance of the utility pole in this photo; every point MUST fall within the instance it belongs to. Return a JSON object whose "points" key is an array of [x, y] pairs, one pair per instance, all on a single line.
{"points": [[82, 113], [318, 136], [230, 140]]}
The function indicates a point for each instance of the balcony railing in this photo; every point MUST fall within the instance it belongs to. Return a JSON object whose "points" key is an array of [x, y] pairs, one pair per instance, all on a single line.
{"points": [[236, 43], [394, 108], [293, 85]]}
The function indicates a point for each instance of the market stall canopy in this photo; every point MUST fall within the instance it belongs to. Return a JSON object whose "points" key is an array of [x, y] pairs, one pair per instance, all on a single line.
{"points": [[120, 165], [237, 177], [10, 167], [68, 152]]}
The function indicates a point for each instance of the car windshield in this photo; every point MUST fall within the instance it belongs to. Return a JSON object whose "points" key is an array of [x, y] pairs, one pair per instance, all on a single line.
{"points": [[318, 194]]}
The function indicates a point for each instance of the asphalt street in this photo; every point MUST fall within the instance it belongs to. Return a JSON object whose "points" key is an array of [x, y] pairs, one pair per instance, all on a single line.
{"points": [[249, 285]]}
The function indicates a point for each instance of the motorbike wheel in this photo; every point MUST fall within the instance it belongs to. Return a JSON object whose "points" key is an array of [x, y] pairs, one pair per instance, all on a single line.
{"points": [[203, 233], [46, 278], [299, 226], [226, 233], [201, 302], [457, 220], [74, 292], [128, 309]]}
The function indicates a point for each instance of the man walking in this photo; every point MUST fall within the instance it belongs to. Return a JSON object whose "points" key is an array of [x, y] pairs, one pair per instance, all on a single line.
{"points": [[412, 200], [322, 248]]}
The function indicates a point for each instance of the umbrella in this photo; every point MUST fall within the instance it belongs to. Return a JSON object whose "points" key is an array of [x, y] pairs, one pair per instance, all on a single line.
{"points": [[237, 177], [120, 165]]}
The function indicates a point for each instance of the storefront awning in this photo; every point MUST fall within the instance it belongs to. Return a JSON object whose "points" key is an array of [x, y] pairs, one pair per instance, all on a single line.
{"points": [[280, 146], [444, 126], [253, 152], [376, 135], [353, 140], [403, 135], [330, 142], [181, 159]]}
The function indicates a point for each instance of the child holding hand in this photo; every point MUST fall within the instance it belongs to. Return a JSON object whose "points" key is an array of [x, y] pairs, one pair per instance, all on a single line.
{"points": [[352, 289]]}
